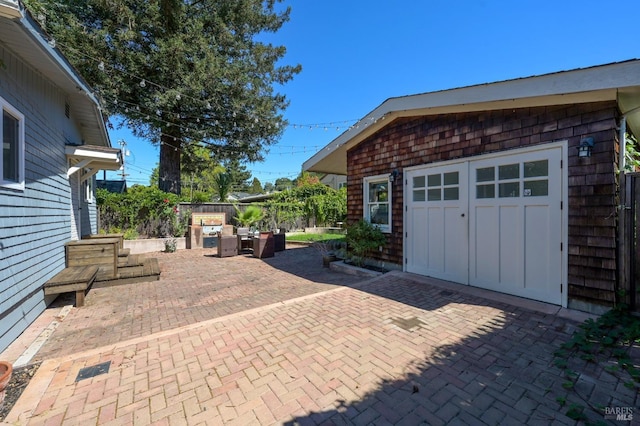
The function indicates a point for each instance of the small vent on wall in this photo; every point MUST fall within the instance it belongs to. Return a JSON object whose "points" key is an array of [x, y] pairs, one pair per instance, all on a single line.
{"points": [[67, 109]]}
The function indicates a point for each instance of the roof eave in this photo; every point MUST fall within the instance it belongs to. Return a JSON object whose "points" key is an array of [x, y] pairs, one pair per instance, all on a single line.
{"points": [[619, 81], [33, 47]]}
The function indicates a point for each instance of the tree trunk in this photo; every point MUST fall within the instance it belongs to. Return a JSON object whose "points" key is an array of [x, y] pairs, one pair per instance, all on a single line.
{"points": [[169, 170]]}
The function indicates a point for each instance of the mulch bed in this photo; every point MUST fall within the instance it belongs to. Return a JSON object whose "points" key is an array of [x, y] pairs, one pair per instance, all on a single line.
{"points": [[20, 378]]}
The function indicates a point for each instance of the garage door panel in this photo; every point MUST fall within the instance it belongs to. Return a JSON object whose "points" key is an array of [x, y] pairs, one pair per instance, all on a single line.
{"points": [[500, 228], [485, 254], [437, 234], [455, 253], [418, 246], [435, 239], [510, 243], [542, 261]]}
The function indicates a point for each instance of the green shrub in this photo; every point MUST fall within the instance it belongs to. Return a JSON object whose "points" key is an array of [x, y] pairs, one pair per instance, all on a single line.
{"points": [[143, 210], [363, 238]]}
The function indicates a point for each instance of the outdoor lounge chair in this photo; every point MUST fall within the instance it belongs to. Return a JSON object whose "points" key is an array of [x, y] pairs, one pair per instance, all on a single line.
{"points": [[245, 241]]}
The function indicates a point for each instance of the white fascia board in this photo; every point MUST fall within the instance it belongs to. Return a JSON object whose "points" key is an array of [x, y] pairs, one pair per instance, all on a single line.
{"points": [[577, 86]]}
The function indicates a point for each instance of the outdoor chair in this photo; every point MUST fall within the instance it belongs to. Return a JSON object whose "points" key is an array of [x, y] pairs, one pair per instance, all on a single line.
{"points": [[244, 239]]}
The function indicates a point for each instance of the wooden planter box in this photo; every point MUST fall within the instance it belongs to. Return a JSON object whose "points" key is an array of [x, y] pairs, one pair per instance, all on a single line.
{"points": [[264, 245], [279, 242]]}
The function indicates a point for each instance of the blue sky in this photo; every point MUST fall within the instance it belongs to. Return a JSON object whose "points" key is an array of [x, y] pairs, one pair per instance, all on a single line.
{"points": [[355, 54]]}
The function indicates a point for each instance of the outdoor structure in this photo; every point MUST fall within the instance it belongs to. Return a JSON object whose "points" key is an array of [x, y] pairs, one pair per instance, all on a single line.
{"points": [[54, 142], [511, 186]]}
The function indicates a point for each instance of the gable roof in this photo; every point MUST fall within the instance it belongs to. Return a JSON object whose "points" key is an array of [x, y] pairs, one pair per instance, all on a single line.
{"points": [[21, 34], [618, 81]]}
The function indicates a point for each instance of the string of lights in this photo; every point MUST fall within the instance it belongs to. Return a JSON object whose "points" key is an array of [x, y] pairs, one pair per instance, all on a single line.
{"points": [[145, 82]]}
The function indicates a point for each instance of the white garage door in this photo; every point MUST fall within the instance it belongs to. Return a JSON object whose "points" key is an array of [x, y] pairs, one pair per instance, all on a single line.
{"points": [[493, 222]]}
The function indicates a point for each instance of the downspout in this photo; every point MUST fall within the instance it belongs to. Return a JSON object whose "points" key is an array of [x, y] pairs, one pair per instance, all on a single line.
{"points": [[623, 264], [623, 143]]}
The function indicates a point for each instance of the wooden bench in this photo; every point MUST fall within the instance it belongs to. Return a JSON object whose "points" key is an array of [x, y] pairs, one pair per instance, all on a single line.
{"points": [[74, 278], [102, 252]]}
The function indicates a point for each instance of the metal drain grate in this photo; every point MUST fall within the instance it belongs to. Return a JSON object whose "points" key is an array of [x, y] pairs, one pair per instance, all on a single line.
{"points": [[94, 370], [407, 323]]}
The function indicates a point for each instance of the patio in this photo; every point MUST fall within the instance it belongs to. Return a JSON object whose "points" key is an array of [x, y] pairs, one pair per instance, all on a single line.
{"points": [[242, 340]]}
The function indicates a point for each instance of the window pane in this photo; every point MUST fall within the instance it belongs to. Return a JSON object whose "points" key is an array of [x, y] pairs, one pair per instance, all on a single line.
{"points": [[451, 178], [378, 192], [434, 195], [418, 182], [451, 193], [509, 171], [536, 168], [485, 191], [379, 214], [418, 195], [433, 180], [536, 188], [485, 175], [511, 189], [10, 157]]}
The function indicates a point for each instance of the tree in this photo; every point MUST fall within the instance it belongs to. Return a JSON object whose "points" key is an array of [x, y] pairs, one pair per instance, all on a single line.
{"points": [[283, 184], [256, 186], [238, 173], [307, 178], [268, 187], [223, 186], [199, 169], [180, 72]]}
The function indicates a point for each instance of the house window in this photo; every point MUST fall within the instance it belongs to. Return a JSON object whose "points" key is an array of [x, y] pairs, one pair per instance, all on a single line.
{"points": [[87, 187], [12, 138], [377, 201]]}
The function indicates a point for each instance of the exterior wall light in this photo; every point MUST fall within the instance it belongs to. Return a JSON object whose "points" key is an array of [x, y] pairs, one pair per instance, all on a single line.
{"points": [[586, 145], [394, 175]]}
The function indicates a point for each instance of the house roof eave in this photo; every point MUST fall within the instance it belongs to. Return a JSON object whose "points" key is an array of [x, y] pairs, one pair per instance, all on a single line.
{"points": [[26, 39], [606, 82]]}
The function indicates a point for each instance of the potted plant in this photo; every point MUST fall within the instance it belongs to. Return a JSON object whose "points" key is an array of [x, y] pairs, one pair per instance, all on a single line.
{"points": [[6, 369], [249, 217], [326, 249]]}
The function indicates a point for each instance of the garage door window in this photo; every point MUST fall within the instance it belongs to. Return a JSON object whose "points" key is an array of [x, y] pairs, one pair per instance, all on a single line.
{"points": [[377, 198], [439, 187], [528, 179]]}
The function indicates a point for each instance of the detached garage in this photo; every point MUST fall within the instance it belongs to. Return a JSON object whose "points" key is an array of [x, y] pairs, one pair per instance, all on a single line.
{"points": [[510, 186]]}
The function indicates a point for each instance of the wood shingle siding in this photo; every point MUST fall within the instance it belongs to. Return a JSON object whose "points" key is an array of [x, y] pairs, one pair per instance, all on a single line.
{"points": [[592, 191]]}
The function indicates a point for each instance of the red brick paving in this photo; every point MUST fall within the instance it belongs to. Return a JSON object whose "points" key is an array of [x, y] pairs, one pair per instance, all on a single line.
{"points": [[394, 350]]}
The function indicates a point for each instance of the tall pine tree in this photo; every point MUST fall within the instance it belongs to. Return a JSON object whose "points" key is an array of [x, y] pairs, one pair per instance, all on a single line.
{"points": [[180, 72]]}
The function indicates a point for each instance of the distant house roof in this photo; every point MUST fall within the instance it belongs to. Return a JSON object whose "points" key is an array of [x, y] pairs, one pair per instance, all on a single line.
{"points": [[115, 186], [26, 39], [618, 81]]}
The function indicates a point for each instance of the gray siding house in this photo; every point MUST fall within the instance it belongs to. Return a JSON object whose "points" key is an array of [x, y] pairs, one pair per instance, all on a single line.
{"points": [[54, 141]]}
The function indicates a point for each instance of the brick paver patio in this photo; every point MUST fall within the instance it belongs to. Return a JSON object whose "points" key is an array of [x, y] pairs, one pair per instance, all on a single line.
{"points": [[292, 343]]}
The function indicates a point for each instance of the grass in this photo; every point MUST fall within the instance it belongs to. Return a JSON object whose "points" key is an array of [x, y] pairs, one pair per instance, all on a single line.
{"points": [[309, 238]]}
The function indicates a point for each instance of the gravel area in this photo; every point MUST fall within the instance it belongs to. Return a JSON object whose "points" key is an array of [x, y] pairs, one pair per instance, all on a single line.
{"points": [[20, 378]]}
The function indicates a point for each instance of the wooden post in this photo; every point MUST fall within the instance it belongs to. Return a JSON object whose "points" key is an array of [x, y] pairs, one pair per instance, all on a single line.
{"points": [[624, 248]]}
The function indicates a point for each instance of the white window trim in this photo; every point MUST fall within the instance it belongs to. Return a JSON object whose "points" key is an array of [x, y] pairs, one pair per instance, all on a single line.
{"points": [[87, 186], [365, 187], [5, 106]]}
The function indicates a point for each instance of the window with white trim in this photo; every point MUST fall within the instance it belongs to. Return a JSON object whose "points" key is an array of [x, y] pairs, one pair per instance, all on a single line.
{"points": [[377, 201], [87, 186], [12, 140]]}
